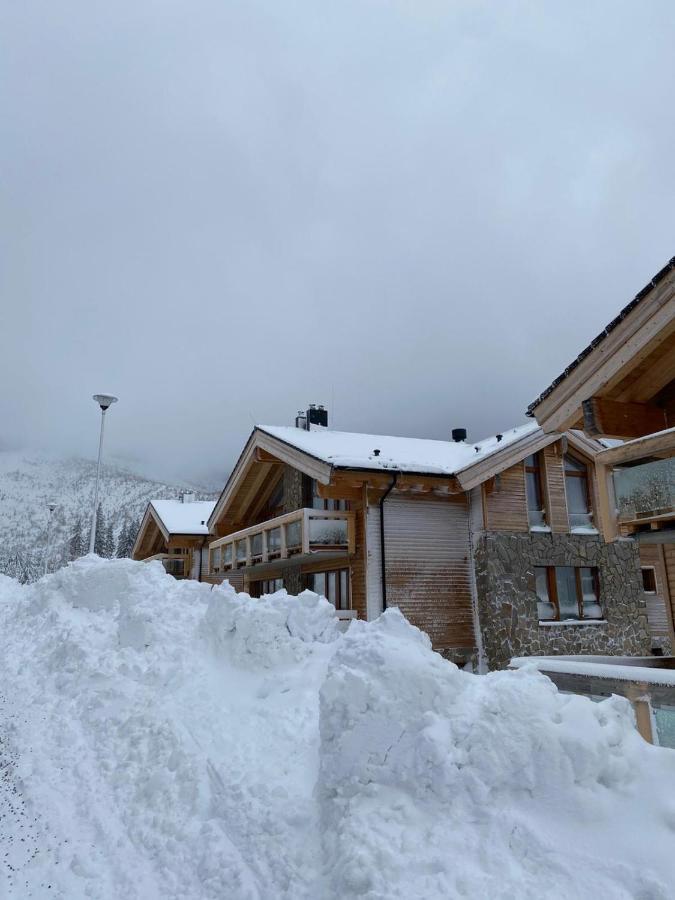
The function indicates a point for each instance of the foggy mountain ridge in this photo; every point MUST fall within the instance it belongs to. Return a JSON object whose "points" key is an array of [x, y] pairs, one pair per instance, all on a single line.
{"points": [[29, 481]]}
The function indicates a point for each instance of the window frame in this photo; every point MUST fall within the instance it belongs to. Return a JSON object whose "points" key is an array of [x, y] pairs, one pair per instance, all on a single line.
{"points": [[326, 504], [585, 476], [337, 603], [553, 597], [538, 471], [651, 569]]}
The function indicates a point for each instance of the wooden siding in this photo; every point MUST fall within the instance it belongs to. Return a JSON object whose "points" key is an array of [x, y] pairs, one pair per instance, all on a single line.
{"points": [[554, 486], [428, 566], [668, 558], [657, 604], [505, 503]]}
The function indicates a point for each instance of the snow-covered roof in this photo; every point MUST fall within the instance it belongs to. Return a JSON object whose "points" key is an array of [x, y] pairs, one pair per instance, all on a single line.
{"points": [[344, 449], [184, 518]]}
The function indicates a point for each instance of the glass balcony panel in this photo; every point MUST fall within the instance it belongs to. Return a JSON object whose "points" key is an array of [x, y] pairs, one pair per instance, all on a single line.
{"points": [[215, 559], [645, 491], [241, 551], [328, 532], [293, 535], [227, 555], [256, 544], [274, 540]]}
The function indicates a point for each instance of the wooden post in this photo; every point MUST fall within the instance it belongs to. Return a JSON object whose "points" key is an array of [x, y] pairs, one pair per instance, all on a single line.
{"points": [[607, 511]]}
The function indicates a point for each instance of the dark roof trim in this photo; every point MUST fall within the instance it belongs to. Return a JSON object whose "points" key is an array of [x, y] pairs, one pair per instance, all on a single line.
{"points": [[603, 334]]}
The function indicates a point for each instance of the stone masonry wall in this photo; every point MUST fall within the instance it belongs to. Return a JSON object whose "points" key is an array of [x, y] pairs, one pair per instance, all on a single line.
{"points": [[507, 600]]}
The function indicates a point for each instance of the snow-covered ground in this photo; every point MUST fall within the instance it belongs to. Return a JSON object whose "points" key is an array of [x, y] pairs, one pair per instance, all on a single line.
{"points": [[162, 739]]}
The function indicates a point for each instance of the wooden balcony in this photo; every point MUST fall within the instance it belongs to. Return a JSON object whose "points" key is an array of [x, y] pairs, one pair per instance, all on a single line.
{"points": [[297, 537]]}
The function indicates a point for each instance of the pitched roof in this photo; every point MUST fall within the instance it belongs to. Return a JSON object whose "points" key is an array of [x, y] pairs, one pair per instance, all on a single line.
{"points": [[603, 334], [351, 450], [184, 518]]}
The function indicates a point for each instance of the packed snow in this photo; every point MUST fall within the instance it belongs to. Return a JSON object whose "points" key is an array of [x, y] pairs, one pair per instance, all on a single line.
{"points": [[165, 739]]}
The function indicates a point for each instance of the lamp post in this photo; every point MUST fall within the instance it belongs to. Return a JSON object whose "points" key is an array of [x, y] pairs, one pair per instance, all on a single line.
{"points": [[104, 401], [51, 507]]}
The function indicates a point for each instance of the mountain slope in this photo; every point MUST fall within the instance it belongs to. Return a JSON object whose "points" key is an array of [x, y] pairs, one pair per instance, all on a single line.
{"points": [[28, 482]]}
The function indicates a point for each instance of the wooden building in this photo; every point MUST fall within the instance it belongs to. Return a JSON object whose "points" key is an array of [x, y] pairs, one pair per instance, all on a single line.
{"points": [[492, 548], [622, 386], [176, 533]]}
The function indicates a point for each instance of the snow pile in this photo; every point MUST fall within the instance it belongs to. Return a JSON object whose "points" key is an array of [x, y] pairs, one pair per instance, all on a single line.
{"points": [[159, 739]]}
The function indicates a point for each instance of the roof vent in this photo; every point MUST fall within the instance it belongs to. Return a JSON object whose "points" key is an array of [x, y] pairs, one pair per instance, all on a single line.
{"points": [[376, 452], [458, 435], [499, 438]]}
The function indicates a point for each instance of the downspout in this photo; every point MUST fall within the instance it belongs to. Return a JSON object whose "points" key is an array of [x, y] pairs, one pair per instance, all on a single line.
{"points": [[201, 557], [482, 668], [382, 550]]}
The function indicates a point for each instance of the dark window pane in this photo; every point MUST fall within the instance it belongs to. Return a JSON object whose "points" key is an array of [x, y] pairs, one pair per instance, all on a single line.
{"points": [[344, 589], [589, 592], [649, 581], [566, 582]]}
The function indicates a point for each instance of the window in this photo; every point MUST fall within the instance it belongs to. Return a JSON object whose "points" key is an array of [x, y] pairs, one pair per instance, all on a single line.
{"points": [[649, 579], [268, 586], [577, 492], [533, 484], [330, 505], [567, 592], [334, 586]]}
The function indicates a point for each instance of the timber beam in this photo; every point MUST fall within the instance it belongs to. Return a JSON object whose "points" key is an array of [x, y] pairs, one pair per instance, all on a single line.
{"points": [[609, 418]]}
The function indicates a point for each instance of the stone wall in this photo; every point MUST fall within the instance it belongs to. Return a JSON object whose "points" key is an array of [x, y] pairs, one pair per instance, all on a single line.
{"points": [[507, 600]]}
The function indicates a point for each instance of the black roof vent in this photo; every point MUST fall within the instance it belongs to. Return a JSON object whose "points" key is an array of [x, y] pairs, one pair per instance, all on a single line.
{"points": [[499, 437], [458, 435], [317, 415], [376, 452]]}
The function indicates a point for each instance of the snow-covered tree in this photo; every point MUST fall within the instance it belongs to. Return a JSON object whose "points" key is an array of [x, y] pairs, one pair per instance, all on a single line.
{"points": [[108, 547], [77, 544], [99, 543], [125, 544]]}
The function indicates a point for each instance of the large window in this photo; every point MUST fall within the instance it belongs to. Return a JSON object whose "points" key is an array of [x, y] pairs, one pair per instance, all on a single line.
{"points": [[567, 592], [322, 503], [536, 514], [334, 586], [577, 491]]}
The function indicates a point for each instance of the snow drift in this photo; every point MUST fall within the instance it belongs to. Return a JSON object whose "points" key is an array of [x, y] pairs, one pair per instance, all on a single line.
{"points": [[159, 739]]}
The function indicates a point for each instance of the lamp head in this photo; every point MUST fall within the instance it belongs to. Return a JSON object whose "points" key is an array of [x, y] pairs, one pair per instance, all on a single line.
{"points": [[104, 400]]}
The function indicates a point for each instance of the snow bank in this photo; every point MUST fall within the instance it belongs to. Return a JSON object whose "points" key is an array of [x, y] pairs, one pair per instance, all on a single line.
{"points": [[160, 739]]}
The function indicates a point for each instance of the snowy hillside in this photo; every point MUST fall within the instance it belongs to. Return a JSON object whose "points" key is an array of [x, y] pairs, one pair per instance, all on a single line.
{"points": [[163, 740], [29, 482]]}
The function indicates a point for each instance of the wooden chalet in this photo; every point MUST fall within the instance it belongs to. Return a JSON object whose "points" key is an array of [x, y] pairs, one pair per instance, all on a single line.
{"points": [[622, 386], [492, 548], [176, 533]]}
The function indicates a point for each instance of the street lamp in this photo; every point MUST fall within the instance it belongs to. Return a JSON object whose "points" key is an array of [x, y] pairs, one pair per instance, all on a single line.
{"points": [[51, 507], [104, 401]]}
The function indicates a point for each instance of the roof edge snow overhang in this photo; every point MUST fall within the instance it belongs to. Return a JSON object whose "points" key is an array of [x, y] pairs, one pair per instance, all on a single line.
{"points": [[559, 407]]}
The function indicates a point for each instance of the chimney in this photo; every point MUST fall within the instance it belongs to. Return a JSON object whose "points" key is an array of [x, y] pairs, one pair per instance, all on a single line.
{"points": [[187, 497], [316, 415], [301, 420], [459, 435]]}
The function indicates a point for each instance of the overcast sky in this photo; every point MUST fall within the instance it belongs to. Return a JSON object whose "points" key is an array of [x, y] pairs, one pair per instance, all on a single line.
{"points": [[414, 212]]}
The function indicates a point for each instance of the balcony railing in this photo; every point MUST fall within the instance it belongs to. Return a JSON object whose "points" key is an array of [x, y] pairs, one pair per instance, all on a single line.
{"points": [[645, 491], [297, 534], [178, 566]]}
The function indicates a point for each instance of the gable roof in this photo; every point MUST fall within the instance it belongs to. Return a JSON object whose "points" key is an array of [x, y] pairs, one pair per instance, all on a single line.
{"points": [[647, 289], [321, 452], [183, 518], [419, 456]]}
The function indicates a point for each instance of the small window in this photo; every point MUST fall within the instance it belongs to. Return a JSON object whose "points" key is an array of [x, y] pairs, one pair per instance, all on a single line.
{"points": [[334, 586], [533, 484], [649, 579], [567, 593], [577, 492]]}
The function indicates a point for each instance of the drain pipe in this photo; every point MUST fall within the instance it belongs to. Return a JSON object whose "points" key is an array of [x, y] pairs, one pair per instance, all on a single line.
{"points": [[383, 559], [475, 613]]}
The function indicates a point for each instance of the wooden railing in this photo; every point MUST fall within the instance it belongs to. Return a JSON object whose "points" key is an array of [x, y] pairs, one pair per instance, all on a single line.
{"points": [[300, 533]]}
